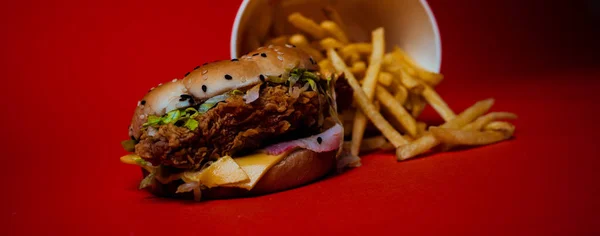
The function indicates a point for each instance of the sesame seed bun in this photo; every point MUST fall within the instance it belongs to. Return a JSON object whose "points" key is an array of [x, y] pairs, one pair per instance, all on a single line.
{"points": [[216, 78], [296, 169]]}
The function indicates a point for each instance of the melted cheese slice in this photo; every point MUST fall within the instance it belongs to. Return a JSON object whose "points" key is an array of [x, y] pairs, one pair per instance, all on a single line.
{"points": [[255, 166], [241, 172], [221, 172]]}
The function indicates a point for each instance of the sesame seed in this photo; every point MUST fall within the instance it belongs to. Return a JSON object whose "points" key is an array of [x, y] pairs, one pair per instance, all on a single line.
{"points": [[263, 54], [195, 68], [255, 54], [175, 80], [280, 57], [262, 78], [143, 102], [290, 45], [228, 77], [280, 53], [312, 61], [234, 59], [319, 140], [270, 46], [204, 71], [204, 88], [138, 104], [160, 84], [260, 48], [142, 116]]}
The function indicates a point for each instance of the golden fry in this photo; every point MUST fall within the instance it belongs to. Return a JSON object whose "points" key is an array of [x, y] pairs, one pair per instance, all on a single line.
{"points": [[359, 68], [428, 141], [279, 41], [401, 94], [368, 86], [488, 119], [484, 120], [411, 83], [299, 40], [385, 79], [360, 48], [325, 67], [467, 137], [399, 113], [501, 126], [331, 14], [428, 77], [328, 43], [307, 25], [334, 30], [417, 104], [421, 127], [438, 104], [364, 102]]}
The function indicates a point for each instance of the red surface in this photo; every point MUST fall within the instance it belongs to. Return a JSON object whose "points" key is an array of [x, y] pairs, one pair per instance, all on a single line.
{"points": [[74, 70]]}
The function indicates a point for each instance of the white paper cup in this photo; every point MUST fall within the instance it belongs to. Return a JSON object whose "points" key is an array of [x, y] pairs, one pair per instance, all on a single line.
{"points": [[409, 24]]}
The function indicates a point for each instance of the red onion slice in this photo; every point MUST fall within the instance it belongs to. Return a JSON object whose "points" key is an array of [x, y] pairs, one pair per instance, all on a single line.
{"points": [[327, 141]]}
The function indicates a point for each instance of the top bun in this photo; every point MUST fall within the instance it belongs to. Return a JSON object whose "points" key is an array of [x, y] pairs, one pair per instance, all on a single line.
{"points": [[216, 78]]}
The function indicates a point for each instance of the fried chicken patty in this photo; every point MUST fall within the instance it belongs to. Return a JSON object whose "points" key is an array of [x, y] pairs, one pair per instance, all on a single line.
{"points": [[234, 127]]}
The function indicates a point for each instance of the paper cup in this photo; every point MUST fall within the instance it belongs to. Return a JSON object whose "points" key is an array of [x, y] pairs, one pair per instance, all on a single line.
{"points": [[409, 24]]}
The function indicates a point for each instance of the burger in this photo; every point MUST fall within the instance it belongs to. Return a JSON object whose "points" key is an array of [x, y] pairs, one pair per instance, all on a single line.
{"points": [[262, 123]]}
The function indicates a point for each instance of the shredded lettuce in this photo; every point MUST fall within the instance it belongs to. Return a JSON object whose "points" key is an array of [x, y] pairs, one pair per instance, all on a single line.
{"points": [[312, 84], [212, 102], [172, 117], [128, 145], [236, 92], [191, 124], [147, 181]]}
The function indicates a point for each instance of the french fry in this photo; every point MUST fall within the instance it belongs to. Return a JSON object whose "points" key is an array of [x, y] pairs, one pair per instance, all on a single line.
{"points": [[331, 14], [279, 41], [334, 30], [385, 79], [484, 120], [417, 104], [501, 126], [467, 137], [325, 67], [438, 104], [364, 102], [488, 119], [307, 25], [328, 43], [399, 113], [360, 48], [354, 58], [421, 127], [428, 77], [401, 94], [368, 86], [428, 141], [359, 68], [410, 82], [299, 40]]}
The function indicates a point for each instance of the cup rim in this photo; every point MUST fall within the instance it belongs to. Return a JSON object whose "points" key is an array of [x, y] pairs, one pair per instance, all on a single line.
{"points": [[233, 51]]}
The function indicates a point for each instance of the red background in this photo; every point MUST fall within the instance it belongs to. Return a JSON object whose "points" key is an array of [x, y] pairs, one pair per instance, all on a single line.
{"points": [[74, 70]]}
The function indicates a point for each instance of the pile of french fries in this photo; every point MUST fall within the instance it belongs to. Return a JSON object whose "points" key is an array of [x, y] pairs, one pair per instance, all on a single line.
{"points": [[391, 90]]}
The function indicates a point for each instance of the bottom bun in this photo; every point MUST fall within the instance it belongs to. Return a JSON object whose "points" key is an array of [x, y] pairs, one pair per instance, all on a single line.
{"points": [[297, 168]]}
